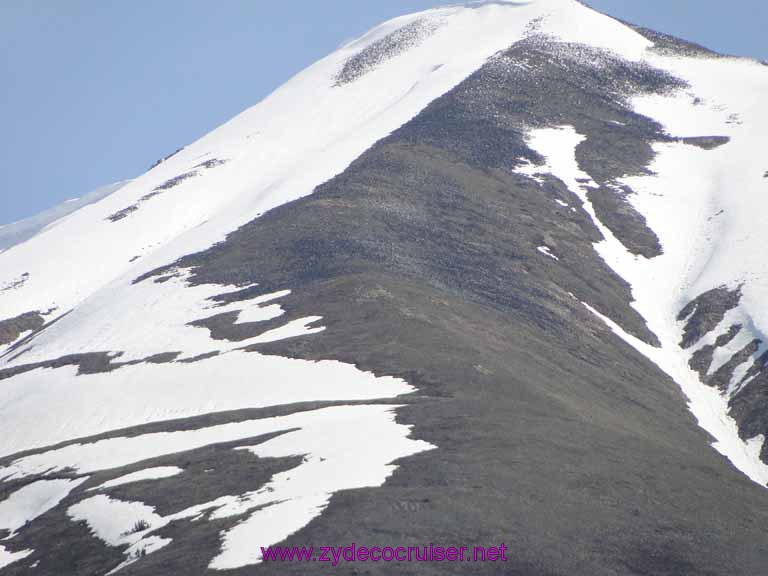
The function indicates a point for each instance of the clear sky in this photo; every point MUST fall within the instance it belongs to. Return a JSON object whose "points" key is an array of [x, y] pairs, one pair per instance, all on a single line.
{"points": [[94, 91]]}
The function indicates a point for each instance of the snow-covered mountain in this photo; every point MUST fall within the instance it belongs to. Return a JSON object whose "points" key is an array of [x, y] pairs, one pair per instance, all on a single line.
{"points": [[18, 232], [474, 277]]}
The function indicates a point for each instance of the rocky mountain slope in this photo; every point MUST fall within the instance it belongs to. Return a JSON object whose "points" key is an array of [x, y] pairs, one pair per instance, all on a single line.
{"points": [[489, 273]]}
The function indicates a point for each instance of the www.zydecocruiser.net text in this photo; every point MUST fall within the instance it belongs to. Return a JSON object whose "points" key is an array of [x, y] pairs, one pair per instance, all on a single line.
{"points": [[354, 553]]}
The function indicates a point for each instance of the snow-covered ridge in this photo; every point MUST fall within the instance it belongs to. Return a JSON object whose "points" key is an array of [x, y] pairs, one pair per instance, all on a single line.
{"points": [[18, 232], [701, 202], [309, 121], [703, 205]]}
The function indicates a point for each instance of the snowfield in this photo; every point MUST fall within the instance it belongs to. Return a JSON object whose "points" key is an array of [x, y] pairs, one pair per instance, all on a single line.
{"points": [[81, 271], [341, 448], [33, 500], [701, 204], [18, 232]]}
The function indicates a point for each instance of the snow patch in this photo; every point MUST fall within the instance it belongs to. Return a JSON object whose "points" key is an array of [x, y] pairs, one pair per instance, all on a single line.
{"points": [[342, 448], [7, 557], [708, 406], [145, 393], [115, 522], [678, 203], [156, 473], [121, 523], [547, 252], [32, 501]]}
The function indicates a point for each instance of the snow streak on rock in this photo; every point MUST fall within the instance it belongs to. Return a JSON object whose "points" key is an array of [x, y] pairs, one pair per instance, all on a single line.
{"points": [[699, 200]]}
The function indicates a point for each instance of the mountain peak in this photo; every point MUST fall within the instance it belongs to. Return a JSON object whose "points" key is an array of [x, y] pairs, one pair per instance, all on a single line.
{"points": [[467, 277]]}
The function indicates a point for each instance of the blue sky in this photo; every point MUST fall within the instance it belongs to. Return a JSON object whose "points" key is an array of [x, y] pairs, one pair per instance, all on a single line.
{"points": [[95, 91]]}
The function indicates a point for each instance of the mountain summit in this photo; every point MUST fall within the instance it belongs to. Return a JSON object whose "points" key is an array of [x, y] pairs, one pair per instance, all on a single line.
{"points": [[491, 273]]}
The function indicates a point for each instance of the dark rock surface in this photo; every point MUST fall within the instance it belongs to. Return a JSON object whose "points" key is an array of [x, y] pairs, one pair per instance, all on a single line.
{"points": [[749, 407], [385, 48], [208, 473], [705, 312], [615, 211], [12, 328], [88, 363], [701, 360], [706, 142], [723, 375], [748, 404]]}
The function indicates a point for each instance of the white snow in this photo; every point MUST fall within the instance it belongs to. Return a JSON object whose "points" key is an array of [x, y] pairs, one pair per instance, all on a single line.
{"points": [[558, 144], [144, 547], [706, 403], [547, 252], [115, 521], [156, 473], [144, 393], [33, 500], [172, 305], [122, 451], [702, 205], [292, 329], [118, 523], [355, 449], [253, 311], [18, 232], [26, 504], [723, 354], [19, 338], [7, 557], [341, 447]]}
